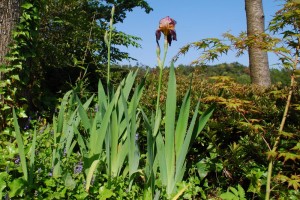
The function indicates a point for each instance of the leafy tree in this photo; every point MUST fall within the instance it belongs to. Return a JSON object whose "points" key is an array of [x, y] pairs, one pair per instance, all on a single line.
{"points": [[75, 31], [59, 42], [258, 59], [71, 39]]}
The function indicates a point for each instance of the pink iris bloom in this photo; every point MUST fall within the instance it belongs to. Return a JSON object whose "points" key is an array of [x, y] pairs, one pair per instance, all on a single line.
{"points": [[167, 27]]}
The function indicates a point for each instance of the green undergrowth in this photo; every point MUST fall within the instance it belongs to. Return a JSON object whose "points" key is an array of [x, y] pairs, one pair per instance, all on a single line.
{"points": [[229, 158]]}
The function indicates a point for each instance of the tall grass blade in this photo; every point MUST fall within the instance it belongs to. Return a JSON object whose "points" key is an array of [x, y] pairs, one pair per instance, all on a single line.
{"points": [[20, 146], [80, 140], [102, 98], [61, 113], [83, 115], [182, 123], [32, 157]]}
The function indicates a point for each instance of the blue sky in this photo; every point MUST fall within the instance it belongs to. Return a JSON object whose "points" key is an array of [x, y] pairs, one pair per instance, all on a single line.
{"points": [[196, 20]]}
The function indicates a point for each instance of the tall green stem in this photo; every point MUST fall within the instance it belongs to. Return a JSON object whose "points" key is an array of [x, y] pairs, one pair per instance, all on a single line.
{"points": [[275, 146], [271, 162], [107, 39], [161, 66]]}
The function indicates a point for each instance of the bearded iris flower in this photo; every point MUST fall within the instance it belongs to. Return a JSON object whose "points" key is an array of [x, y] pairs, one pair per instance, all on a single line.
{"points": [[167, 27]]}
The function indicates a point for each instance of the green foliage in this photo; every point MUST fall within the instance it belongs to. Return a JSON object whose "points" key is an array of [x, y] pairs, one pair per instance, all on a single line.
{"points": [[68, 42], [234, 194], [232, 149]]}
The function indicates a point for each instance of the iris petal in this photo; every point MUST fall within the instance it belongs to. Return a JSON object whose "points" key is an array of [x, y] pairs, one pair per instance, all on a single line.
{"points": [[173, 33], [157, 34], [169, 38]]}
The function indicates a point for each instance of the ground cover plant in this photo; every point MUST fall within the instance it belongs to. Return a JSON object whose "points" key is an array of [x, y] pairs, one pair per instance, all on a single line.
{"points": [[163, 134]]}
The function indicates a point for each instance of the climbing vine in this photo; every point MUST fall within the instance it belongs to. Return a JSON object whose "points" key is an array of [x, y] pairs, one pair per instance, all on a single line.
{"points": [[18, 73]]}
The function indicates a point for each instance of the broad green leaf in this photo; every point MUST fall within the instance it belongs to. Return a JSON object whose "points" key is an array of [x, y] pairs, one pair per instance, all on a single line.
{"points": [[228, 196], [234, 191], [22, 114], [182, 123], [105, 193], [2, 187], [241, 192], [161, 158], [90, 175], [202, 169], [17, 187], [170, 127], [50, 182], [57, 169], [70, 183], [82, 195], [95, 145]]}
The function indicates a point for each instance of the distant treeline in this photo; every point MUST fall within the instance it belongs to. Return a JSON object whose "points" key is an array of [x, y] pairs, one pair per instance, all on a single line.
{"points": [[235, 70]]}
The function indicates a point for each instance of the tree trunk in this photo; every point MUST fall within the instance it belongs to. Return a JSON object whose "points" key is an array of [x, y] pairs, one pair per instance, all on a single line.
{"points": [[9, 16], [258, 59]]}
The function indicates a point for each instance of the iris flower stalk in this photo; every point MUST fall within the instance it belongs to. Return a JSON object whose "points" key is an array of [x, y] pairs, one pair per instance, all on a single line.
{"points": [[167, 27], [107, 40]]}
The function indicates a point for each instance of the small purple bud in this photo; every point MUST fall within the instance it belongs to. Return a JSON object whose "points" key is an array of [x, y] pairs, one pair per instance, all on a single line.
{"points": [[17, 161], [78, 168]]}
